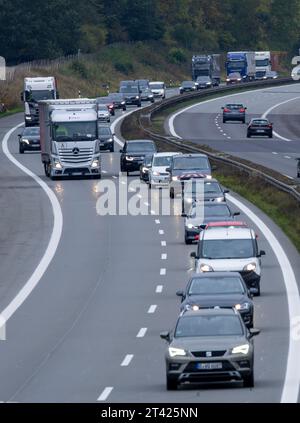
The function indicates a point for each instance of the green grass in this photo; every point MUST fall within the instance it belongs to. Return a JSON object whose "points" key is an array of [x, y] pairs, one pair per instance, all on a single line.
{"points": [[11, 112]]}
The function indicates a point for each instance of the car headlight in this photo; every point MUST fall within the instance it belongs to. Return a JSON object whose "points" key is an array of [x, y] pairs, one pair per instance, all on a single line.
{"points": [[173, 352], [239, 79], [219, 199], [193, 307], [243, 306], [150, 95], [110, 140], [208, 177], [155, 173], [95, 163], [28, 117], [227, 80], [264, 77], [250, 267], [206, 268], [241, 349], [208, 83], [130, 159], [174, 178], [189, 200], [191, 226], [181, 88], [137, 97], [57, 164], [123, 102], [25, 140]]}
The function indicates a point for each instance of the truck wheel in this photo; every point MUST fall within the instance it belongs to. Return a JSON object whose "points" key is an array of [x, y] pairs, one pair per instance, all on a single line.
{"points": [[172, 193], [46, 168], [139, 104], [124, 108], [249, 380]]}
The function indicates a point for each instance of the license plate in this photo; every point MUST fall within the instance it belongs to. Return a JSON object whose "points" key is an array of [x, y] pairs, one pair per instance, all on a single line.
{"points": [[260, 131], [209, 366]]}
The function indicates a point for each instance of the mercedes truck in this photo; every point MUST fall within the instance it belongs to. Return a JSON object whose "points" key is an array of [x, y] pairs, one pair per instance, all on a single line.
{"points": [[69, 138], [207, 65], [36, 89], [242, 62]]}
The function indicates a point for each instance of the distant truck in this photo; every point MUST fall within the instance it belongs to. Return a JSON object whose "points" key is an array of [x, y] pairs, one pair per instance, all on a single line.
{"points": [[207, 65], [69, 138], [36, 89], [242, 62], [263, 61]]}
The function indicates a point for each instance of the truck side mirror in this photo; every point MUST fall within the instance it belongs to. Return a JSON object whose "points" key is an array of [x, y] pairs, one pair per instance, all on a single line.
{"points": [[57, 95], [22, 96]]}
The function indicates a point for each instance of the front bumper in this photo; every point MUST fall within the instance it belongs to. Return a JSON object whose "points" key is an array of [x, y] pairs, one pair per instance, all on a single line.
{"points": [[106, 145], [132, 166], [160, 181], [30, 146]]}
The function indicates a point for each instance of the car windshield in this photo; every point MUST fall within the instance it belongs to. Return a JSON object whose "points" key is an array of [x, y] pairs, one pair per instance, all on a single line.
{"points": [[38, 95], [162, 161], [129, 89], [115, 96], [203, 78], [262, 62], [31, 131], [187, 84], [216, 210], [216, 286], [227, 248], [147, 161], [209, 187], [236, 64], [234, 75], [104, 130], [191, 163], [140, 147], [234, 106], [102, 107], [75, 131], [157, 86], [218, 325]]}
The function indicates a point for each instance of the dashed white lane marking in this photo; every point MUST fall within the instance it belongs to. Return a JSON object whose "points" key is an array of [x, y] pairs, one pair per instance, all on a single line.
{"points": [[229, 138], [287, 157], [127, 360], [105, 394], [152, 309], [104, 171], [49, 254], [161, 232], [164, 256], [157, 221], [163, 272], [274, 152], [141, 333], [163, 243], [159, 289], [114, 177]]}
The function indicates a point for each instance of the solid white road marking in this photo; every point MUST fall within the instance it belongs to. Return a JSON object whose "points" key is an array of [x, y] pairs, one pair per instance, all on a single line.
{"points": [[141, 333], [105, 394], [274, 107], [163, 272], [164, 256], [54, 239], [163, 243], [159, 289], [292, 376], [152, 309], [127, 360]]}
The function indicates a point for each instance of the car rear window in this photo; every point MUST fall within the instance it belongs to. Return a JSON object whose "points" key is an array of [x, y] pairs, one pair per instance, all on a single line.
{"points": [[216, 286], [140, 147], [190, 163]]}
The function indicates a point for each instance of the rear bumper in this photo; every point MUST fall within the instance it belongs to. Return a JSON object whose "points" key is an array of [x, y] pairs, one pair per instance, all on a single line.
{"points": [[257, 132], [234, 117], [106, 145]]}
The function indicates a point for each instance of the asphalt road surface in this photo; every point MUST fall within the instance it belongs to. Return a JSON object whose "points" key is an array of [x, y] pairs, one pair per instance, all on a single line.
{"points": [[90, 328]]}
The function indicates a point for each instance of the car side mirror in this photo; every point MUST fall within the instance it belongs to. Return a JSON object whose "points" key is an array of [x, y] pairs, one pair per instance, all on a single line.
{"points": [[22, 96], [226, 191], [245, 108], [165, 336], [254, 332], [236, 214], [19, 135], [121, 150], [261, 253], [193, 255], [113, 134], [222, 108], [168, 169], [180, 294]]}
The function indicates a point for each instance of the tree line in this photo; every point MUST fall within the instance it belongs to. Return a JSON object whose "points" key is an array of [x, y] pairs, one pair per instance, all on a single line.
{"points": [[37, 30]]}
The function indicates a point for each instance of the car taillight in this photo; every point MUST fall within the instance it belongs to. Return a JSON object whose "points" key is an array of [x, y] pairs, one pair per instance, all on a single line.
{"points": [[110, 106], [196, 237], [242, 110], [226, 110], [270, 125]]}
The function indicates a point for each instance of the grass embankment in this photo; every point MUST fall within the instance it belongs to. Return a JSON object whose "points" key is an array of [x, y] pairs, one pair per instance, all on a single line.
{"points": [[112, 64]]}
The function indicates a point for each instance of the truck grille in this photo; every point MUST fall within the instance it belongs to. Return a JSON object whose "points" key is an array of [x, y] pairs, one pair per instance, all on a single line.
{"points": [[67, 155]]}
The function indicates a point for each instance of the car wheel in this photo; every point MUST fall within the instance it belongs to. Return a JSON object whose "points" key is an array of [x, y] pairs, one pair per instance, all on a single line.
{"points": [[186, 240], [149, 185], [224, 120], [139, 104], [258, 290], [127, 172], [112, 149], [172, 194], [249, 380], [124, 109], [243, 121], [271, 136], [171, 384], [113, 113], [21, 149], [248, 135], [152, 100], [298, 175]]}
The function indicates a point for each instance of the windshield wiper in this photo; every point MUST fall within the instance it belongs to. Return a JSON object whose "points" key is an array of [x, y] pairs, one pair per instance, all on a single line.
{"points": [[63, 138]]}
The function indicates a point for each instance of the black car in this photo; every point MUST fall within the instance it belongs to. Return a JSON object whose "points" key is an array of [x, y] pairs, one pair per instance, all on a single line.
{"points": [[234, 112], [133, 154], [204, 82], [29, 139], [218, 289], [258, 126], [147, 95], [234, 78], [202, 213], [117, 99], [106, 138], [108, 103], [145, 167], [131, 94], [143, 83], [187, 86], [211, 191]]}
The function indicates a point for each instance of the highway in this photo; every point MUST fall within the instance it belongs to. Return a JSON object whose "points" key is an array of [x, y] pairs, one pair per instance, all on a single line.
{"points": [[89, 330], [203, 124]]}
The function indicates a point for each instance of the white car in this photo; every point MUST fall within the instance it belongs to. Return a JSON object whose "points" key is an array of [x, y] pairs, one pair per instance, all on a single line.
{"points": [[158, 89], [103, 113], [296, 73], [158, 176], [232, 249]]}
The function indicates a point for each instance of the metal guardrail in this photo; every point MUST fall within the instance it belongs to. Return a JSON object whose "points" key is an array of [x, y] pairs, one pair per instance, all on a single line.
{"points": [[148, 112]]}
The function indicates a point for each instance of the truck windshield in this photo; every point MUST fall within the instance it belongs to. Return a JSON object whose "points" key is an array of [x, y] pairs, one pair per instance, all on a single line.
{"points": [[262, 62], [36, 96], [236, 64], [75, 131]]}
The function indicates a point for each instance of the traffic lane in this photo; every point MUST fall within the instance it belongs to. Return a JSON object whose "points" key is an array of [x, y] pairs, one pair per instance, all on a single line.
{"points": [[25, 225], [146, 375], [286, 120]]}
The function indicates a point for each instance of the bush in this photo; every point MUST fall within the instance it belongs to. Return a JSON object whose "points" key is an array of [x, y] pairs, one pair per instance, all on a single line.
{"points": [[78, 67], [177, 56], [124, 67]]}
